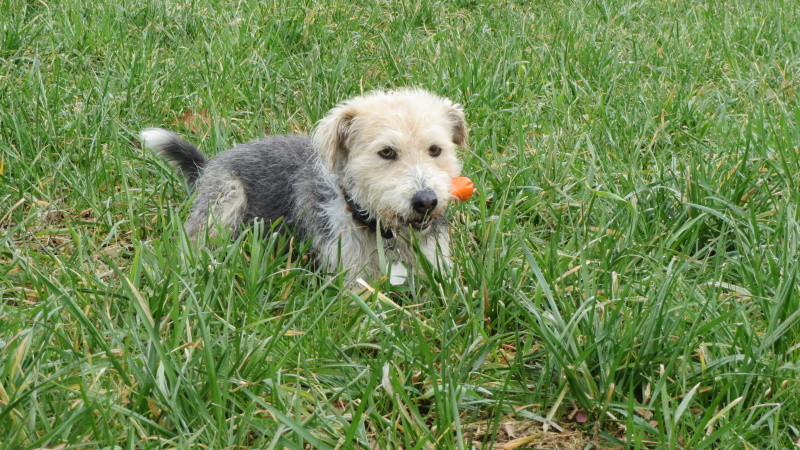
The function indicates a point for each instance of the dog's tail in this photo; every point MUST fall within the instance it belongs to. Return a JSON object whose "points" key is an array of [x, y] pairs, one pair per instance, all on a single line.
{"points": [[171, 147]]}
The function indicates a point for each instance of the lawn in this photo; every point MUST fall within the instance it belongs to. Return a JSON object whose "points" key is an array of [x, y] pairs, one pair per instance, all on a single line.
{"points": [[626, 276]]}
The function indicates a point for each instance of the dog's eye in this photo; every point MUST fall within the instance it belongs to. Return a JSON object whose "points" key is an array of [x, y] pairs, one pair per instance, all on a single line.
{"points": [[435, 150], [387, 153]]}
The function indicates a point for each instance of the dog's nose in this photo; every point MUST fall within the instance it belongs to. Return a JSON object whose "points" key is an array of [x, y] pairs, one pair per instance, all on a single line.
{"points": [[424, 201]]}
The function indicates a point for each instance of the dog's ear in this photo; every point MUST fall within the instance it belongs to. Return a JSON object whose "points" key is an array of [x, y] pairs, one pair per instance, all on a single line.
{"points": [[458, 123], [331, 135]]}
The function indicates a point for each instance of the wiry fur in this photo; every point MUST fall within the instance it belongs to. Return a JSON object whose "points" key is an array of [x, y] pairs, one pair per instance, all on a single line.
{"points": [[303, 179]]}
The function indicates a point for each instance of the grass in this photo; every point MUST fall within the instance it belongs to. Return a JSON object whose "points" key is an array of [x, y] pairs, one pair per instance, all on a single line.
{"points": [[626, 276]]}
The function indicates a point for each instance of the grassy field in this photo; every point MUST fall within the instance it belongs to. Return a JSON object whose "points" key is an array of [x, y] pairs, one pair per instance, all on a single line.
{"points": [[626, 276]]}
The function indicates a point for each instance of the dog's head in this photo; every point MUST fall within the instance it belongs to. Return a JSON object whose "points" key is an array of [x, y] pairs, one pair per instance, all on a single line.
{"points": [[394, 153]]}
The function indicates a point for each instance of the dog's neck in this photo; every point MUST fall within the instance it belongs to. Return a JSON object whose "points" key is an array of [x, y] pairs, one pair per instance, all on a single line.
{"points": [[360, 216]]}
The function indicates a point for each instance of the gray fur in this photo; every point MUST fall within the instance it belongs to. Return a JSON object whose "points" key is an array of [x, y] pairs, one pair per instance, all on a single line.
{"points": [[278, 178]]}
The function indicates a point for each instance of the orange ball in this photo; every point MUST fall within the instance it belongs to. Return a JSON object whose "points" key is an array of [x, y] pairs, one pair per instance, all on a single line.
{"points": [[462, 188]]}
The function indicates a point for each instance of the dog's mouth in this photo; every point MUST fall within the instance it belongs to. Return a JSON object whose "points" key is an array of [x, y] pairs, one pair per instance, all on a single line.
{"points": [[421, 223]]}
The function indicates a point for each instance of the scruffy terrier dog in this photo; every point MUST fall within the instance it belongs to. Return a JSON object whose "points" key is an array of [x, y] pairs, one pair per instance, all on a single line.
{"points": [[375, 172]]}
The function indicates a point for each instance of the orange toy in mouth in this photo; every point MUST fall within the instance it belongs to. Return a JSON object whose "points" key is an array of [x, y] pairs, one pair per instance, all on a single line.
{"points": [[462, 188]]}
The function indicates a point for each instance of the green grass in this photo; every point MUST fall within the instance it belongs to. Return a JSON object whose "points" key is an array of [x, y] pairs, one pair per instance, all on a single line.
{"points": [[628, 272]]}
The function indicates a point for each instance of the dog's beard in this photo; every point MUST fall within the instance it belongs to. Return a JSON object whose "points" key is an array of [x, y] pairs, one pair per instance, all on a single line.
{"points": [[392, 211], [395, 220]]}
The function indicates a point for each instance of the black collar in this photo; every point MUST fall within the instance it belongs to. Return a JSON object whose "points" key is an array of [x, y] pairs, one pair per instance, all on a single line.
{"points": [[361, 216]]}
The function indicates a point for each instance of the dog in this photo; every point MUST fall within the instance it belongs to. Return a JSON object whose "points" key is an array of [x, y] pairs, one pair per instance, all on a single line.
{"points": [[366, 187]]}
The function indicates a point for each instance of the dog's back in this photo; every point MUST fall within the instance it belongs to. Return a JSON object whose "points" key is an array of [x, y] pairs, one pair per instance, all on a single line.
{"points": [[271, 179], [270, 171]]}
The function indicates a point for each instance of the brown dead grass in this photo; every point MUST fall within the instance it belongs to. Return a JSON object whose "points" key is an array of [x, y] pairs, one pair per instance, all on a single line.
{"points": [[526, 434]]}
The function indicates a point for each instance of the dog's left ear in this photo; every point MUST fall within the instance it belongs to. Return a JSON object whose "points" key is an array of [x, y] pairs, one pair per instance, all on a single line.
{"points": [[458, 123], [331, 135]]}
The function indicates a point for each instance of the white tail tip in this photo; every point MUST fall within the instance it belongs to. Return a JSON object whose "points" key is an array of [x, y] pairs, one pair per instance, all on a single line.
{"points": [[156, 138]]}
